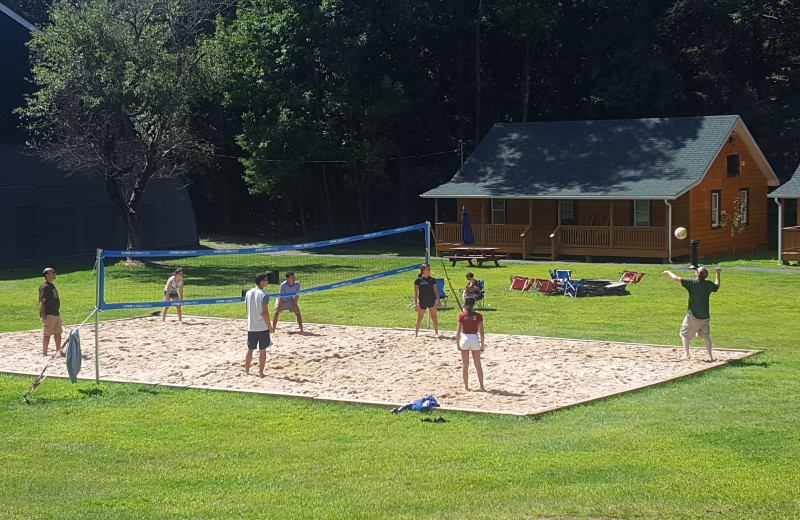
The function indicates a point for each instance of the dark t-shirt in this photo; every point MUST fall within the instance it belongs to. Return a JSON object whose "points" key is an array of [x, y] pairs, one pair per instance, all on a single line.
{"points": [[699, 291], [427, 289], [49, 293]]}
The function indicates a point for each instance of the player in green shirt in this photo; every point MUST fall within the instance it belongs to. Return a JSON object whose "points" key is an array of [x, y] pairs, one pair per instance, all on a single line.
{"points": [[697, 317]]}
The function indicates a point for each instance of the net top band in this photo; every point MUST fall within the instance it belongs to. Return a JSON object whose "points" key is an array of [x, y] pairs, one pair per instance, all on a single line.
{"points": [[252, 250]]}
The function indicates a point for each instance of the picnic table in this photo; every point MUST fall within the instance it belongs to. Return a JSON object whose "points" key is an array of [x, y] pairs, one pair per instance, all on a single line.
{"points": [[475, 254]]}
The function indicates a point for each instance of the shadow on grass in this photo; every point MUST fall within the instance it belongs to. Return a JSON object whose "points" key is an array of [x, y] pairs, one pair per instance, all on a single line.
{"points": [[90, 392], [747, 363]]}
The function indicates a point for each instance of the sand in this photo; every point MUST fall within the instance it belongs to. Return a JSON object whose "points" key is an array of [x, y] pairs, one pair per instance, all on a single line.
{"points": [[523, 374]]}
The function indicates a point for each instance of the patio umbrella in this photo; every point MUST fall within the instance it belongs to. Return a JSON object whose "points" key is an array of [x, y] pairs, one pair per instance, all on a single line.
{"points": [[466, 228]]}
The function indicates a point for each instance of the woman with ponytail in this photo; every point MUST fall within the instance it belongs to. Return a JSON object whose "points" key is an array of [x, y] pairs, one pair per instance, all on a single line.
{"points": [[426, 297], [469, 338]]}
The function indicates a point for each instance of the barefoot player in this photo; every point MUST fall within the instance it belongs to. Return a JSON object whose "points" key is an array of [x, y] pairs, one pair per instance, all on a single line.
{"points": [[698, 316]]}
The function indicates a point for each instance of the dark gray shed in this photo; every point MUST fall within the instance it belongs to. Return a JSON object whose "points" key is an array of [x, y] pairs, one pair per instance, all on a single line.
{"points": [[44, 211]]}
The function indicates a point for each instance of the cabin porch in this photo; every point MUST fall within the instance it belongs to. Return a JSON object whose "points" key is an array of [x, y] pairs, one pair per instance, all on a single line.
{"points": [[528, 241], [790, 244]]}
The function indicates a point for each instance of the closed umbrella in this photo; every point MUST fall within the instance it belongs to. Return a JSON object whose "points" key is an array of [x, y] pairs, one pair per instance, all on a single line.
{"points": [[466, 228]]}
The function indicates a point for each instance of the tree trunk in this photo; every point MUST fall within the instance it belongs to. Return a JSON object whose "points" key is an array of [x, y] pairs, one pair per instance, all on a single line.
{"points": [[126, 210], [478, 72], [327, 192], [526, 89], [303, 224]]}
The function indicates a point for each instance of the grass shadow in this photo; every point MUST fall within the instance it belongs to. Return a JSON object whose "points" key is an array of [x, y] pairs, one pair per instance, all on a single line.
{"points": [[90, 392], [747, 362]]}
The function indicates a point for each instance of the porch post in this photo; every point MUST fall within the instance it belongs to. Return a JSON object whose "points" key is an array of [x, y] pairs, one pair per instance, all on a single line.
{"points": [[435, 210], [780, 230], [530, 212], [669, 230], [611, 223]]}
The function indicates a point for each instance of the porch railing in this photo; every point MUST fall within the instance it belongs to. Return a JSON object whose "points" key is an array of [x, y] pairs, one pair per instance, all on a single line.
{"points": [[604, 239], [485, 234], [790, 239]]}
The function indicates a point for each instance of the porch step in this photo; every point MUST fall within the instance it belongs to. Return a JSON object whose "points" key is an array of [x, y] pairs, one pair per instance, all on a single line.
{"points": [[542, 254]]}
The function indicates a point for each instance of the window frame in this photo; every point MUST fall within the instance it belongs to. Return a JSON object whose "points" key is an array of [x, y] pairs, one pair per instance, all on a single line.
{"points": [[744, 205], [737, 165], [716, 198], [637, 211], [573, 211], [493, 211]]}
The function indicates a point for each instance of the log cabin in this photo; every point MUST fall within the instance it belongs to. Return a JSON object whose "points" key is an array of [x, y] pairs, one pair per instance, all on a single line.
{"points": [[612, 188], [788, 236]]}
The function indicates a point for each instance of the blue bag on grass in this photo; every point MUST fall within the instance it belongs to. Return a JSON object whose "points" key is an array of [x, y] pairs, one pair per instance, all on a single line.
{"points": [[424, 404]]}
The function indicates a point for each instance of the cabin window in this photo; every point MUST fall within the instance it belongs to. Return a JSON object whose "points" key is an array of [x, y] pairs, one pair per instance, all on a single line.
{"points": [[569, 212], [715, 197], [498, 211], [734, 165], [641, 213], [744, 205]]}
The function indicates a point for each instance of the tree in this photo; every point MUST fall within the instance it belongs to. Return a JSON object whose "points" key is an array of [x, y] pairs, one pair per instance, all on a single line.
{"points": [[735, 221], [117, 84], [329, 94]]}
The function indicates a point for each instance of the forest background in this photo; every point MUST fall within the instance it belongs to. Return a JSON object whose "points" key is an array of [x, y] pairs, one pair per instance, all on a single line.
{"points": [[330, 117]]}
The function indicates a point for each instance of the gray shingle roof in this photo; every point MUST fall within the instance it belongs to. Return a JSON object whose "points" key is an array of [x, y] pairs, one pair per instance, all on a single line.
{"points": [[633, 158], [790, 190]]}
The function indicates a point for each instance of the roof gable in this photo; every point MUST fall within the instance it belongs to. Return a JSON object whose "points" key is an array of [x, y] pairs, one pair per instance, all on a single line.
{"points": [[633, 158], [790, 189]]}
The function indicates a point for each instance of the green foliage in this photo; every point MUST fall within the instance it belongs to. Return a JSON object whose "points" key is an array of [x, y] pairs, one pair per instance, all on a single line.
{"points": [[117, 85], [724, 443], [735, 221]]}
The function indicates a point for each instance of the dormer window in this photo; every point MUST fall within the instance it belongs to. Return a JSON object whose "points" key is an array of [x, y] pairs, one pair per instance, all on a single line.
{"points": [[734, 165]]}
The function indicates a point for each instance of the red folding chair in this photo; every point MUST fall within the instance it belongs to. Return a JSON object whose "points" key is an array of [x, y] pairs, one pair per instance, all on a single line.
{"points": [[519, 283], [628, 276], [545, 286]]}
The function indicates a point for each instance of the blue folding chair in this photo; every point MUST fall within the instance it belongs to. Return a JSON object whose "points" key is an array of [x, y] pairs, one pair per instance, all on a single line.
{"points": [[443, 296], [571, 287], [561, 275], [477, 297]]}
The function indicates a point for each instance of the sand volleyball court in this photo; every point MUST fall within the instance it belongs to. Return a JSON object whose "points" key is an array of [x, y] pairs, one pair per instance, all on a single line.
{"points": [[523, 374]]}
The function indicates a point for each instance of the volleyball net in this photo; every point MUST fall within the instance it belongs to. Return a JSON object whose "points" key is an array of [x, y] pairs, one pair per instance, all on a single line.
{"points": [[136, 279]]}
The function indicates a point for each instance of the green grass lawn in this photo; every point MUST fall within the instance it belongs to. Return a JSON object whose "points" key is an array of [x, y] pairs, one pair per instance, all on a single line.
{"points": [[723, 444]]}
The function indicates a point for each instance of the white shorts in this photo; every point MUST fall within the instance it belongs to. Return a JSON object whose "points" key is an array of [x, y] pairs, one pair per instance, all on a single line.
{"points": [[692, 327], [470, 342]]}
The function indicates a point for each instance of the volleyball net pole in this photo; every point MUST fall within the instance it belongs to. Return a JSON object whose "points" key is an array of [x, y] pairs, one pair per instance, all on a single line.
{"points": [[97, 299]]}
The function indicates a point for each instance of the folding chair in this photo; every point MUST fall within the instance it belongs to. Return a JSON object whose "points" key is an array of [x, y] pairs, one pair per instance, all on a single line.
{"points": [[477, 297], [628, 276], [561, 275], [545, 286], [571, 288], [519, 283], [639, 278], [443, 296]]}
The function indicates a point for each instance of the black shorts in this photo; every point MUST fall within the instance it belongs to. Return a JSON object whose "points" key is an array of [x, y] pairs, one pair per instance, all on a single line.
{"points": [[426, 304], [258, 340]]}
